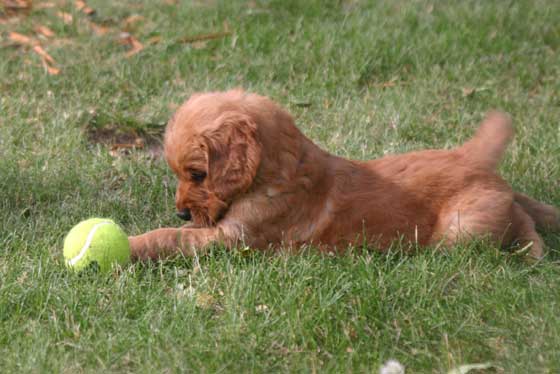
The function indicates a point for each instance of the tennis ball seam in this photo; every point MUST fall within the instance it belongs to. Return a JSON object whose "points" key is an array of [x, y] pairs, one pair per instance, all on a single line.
{"points": [[87, 244]]}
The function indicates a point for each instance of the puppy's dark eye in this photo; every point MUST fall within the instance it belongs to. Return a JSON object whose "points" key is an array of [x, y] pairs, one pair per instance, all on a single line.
{"points": [[197, 175]]}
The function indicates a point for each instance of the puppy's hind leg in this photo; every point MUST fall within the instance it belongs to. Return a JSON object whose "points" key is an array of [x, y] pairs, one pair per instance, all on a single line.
{"points": [[492, 214], [523, 230], [545, 216], [476, 213]]}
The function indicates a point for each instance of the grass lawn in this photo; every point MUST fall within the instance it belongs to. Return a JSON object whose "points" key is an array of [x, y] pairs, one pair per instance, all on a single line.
{"points": [[363, 79]]}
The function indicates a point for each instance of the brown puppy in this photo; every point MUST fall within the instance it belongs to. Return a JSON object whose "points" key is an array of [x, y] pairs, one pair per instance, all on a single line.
{"points": [[248, 176]]}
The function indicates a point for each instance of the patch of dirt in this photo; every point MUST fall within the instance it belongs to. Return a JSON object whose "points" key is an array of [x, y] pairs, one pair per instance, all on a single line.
{"points": [[123, 134], [124, 141]]}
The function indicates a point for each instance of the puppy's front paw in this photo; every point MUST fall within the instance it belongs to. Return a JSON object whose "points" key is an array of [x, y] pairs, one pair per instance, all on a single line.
{"points": [[138, 248]]}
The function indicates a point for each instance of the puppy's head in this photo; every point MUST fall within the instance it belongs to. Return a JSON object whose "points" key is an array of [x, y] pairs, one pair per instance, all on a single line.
{"points": [[211, 145]]}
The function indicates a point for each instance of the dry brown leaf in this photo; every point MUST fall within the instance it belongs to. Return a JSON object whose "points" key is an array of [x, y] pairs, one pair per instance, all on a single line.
{"points": [[46, 59], [387, 84], [83, 7], [468, 91], [124, 38], [98, 29], [135, 45], [41, 52], [17, 4], [131, 20], [12, 7], [18, 38], [50, 69], [45, 5], [7, 19], [66, 17], [44, 30], [80, 4], [154, 40]]}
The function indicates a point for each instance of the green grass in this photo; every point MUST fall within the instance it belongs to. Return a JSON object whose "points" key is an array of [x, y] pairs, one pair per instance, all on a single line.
{"points": [[376, 77]]}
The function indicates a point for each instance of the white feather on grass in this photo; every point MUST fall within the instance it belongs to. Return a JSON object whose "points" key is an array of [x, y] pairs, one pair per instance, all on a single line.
{"points": [[392, 367]]}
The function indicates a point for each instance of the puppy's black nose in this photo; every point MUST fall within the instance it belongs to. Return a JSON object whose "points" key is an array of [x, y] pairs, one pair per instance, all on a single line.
{"points": [[184, 214]]}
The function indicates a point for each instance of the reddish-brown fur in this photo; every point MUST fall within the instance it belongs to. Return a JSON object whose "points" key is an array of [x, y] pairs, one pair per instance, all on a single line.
{"points": [[269, 186]]}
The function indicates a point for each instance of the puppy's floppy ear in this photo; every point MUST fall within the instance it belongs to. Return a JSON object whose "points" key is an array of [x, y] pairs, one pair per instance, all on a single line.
{"points": [[234, 154]]}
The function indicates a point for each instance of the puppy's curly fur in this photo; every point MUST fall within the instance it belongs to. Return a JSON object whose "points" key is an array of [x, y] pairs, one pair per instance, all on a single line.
{"points": [[248, 176]]}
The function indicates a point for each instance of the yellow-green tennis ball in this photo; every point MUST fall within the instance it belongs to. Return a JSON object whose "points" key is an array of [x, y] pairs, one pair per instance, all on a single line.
{"points": [[96, 241]]}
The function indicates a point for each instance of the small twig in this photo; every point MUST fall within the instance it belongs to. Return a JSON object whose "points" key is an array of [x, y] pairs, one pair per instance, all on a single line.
{"points": [[523, 250], [203, 37]]}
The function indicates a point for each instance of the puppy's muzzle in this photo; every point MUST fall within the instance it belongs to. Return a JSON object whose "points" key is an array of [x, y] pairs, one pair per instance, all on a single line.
{"points": [[184, 214]]}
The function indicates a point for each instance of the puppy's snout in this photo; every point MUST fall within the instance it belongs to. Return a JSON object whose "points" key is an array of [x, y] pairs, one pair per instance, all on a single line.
{"points": [[184, 214]]}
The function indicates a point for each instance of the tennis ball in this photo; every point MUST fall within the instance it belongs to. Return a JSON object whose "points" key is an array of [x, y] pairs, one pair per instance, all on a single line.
{"points": [[96, 241]]}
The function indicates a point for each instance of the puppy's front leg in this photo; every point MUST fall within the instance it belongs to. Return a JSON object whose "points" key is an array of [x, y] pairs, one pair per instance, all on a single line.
{"points": [[162, 243]]}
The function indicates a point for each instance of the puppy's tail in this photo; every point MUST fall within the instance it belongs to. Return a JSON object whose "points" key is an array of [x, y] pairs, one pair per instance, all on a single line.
{"points": [[487, 146]]}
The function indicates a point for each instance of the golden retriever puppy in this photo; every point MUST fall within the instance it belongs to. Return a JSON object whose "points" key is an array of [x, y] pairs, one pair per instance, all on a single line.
{"points": [[247, 176]]}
